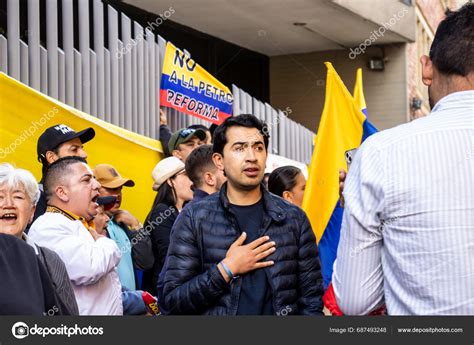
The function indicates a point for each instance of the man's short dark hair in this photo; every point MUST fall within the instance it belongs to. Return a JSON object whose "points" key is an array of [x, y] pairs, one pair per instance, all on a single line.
{"points": [[212, 129], [452, 50], [57, 172], [244, 120], [45, 163], [198, 162]]}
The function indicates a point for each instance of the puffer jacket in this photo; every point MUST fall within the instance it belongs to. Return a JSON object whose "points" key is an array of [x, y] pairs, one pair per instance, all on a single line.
{"points": [[200, 238]]}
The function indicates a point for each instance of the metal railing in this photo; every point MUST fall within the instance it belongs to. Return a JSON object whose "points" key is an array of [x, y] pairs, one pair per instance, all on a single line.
{"points": [[287, 137], [119, 83]]}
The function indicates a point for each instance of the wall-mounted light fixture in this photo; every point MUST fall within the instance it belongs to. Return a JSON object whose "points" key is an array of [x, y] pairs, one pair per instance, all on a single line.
{"points": [[416, 103], [376, 64]]}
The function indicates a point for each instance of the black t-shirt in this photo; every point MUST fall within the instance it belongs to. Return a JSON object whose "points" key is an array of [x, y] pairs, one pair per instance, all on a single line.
{"points": [[255, 294]]}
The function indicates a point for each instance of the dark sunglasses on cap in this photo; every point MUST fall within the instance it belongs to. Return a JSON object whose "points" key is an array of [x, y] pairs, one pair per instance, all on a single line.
{"points": [[184, 133]]}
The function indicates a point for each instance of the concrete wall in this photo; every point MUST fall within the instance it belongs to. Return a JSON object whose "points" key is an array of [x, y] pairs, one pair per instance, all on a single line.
{"points": [[380, 12], [298, 82]]}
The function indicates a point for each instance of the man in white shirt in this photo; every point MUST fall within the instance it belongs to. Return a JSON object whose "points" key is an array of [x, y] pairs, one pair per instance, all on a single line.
{"points": [[407, 237], [66, 228]]}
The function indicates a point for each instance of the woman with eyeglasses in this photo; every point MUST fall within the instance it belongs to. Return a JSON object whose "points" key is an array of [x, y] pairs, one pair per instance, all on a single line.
{"points": [[173, 189]]}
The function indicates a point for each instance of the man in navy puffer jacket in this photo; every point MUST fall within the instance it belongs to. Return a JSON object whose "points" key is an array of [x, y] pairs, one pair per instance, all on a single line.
{"points": [[242, 251]]}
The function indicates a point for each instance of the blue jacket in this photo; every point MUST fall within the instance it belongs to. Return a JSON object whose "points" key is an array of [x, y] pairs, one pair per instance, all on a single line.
{"points": [[198, 195], [201, 236], [132, 302]]}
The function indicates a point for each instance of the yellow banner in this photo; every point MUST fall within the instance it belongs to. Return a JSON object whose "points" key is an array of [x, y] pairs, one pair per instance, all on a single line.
{"points": [[26, 113]]}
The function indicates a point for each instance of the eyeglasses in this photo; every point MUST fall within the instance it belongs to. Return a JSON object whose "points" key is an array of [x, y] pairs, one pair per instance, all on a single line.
{"points": [[186, 132], [182, 172]]}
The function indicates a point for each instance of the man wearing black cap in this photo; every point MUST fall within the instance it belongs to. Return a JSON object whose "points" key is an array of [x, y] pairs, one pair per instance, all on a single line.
{"points": [[184, 141], [57, 142]]}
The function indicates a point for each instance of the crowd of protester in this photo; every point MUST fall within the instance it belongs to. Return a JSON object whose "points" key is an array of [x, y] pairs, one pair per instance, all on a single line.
{"points": [[224, 238], [100, 259]]}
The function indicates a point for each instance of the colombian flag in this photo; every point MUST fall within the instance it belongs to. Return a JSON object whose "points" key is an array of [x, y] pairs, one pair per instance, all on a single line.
{"points": [[359, 100], [342, 128], [189, 88]]}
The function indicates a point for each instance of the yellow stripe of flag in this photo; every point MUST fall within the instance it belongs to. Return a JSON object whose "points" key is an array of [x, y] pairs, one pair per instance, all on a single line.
{"points": [[340, 129]]}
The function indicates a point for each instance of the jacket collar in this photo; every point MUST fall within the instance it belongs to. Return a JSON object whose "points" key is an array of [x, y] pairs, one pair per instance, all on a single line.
{"points": [[269, 204], [200, 194], [29, 241], [71, 216]]}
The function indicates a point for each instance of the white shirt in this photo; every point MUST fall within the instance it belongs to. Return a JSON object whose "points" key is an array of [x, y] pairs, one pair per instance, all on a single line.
{"points": [[91, 265], [407, 237]]}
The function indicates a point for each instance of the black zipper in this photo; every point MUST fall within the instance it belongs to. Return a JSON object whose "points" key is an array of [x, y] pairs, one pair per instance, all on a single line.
{"points": [[233, 282]]}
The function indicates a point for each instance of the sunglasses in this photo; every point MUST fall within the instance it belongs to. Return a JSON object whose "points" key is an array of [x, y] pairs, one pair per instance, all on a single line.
{"points": [[186, 132]]}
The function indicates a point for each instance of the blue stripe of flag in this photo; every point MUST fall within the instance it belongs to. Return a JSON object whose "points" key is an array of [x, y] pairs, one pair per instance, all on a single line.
{"points": [[330, 240]]}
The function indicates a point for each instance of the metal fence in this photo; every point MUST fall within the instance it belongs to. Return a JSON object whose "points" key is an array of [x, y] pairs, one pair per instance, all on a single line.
{"points": [[119, 83], [287, 137]]}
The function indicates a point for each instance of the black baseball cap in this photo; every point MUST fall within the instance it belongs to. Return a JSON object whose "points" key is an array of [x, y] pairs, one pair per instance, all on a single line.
{"points": [[58, 134]]}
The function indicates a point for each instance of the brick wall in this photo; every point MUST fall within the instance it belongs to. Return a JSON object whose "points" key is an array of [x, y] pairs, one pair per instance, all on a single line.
{"points": [[433, 12]]}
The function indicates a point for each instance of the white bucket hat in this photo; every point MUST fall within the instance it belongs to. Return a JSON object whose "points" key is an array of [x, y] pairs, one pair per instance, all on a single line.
{"points": [[165, 169]]}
